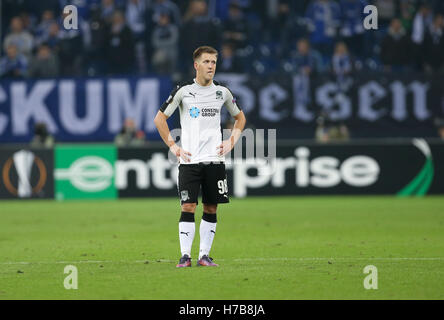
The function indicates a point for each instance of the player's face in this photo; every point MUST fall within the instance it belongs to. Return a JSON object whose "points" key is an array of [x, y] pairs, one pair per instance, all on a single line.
{"points": [[206, 66]]}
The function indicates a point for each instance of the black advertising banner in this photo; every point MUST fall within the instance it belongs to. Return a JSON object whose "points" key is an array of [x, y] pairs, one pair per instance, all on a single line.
{"points": [[145, 172], [26, 173], [410, 168], [407, 169], [370, 104]]}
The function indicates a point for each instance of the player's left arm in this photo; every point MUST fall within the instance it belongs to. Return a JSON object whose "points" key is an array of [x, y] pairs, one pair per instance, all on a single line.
{"points": [[227, 145]]}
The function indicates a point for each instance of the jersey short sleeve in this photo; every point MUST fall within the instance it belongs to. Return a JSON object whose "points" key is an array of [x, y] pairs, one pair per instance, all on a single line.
{"points": [[173, 101], [230, 103]]}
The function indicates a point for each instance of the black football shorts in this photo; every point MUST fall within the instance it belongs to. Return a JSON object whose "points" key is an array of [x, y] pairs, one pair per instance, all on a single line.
{"points": [[211, 177]]}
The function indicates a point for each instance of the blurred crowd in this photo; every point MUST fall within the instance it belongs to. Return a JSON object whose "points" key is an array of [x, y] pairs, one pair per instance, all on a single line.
{"points": [[119, 37]]}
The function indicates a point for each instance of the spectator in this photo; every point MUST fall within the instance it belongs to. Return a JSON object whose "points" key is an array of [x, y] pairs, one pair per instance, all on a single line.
{"points": [[352, 29], [235, 27], [323, 20], [228, 61], [341, 61], [342, 66], [135, 15], [219, 8], [423, 20], [41, 137], [280, 15], [84, 7], [97, 49], [434, 45], [70, 46], [395, 47], [155, 9], [14, 64], [129, 136], [439, 123], [29, 22], [288, 23], [52, 37], [386, 11], [264, 31], [44, 27], [421, 24], [165, 40], [306, 60], [198, 30], [407, 12], [160, 7], [328, 130], [119, 46], [107, 10], [45, 63], [22, 39]]}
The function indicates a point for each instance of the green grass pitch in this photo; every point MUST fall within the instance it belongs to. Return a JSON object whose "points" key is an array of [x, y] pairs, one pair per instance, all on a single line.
{"points": [[267, 248]]}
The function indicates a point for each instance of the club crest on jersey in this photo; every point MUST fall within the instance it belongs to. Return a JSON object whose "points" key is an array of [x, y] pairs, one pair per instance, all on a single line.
{"points": [[219, 95], [184, 195], [194, 112]]}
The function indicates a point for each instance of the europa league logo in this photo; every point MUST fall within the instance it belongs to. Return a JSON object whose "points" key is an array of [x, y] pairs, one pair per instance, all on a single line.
{"points": [[23, 162]]}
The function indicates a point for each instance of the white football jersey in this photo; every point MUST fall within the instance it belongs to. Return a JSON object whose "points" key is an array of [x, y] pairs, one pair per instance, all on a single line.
{"points": [[200, 109]]}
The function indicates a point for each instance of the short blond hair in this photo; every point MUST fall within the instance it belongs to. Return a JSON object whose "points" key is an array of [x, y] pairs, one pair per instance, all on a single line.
{"points": [[204, 49]]}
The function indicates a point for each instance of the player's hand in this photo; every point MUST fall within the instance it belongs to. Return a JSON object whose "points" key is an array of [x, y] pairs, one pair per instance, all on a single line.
{"points": [[180, 153], [225, 147]]}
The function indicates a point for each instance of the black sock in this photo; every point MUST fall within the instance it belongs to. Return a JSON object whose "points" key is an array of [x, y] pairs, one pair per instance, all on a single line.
{"points": [[186, 217], [209, 217]]}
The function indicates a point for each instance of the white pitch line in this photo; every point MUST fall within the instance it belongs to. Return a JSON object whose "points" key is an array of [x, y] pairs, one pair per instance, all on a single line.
{"points": [[341, 258], [236, 260]]}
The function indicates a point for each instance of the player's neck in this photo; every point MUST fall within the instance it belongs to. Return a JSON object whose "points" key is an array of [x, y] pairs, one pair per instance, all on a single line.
{"points": [[203, 82]]}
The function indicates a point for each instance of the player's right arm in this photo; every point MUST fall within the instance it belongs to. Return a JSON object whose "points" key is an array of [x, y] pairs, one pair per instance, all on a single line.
{"points": [[160, 121]]}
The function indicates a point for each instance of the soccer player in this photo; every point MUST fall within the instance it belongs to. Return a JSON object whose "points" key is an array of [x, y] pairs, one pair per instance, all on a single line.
{"points": [[202, 152]]}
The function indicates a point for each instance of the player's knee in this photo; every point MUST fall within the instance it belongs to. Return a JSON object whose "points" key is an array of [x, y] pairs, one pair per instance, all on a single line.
{"points": [[189, 207], [210, 208]]}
